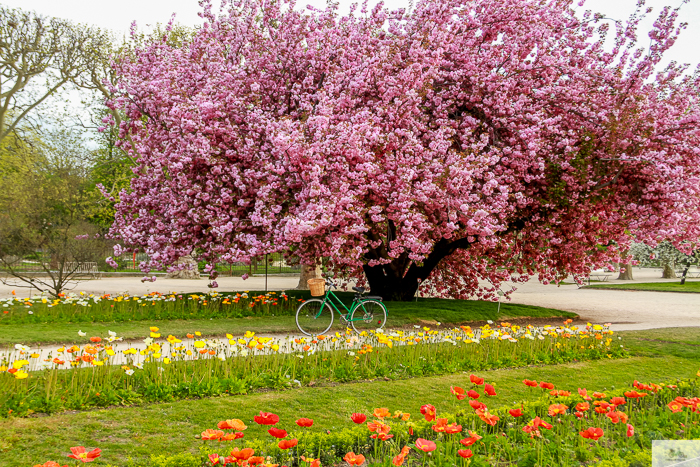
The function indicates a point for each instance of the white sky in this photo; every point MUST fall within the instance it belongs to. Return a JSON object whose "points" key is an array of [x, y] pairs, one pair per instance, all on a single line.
{"points": [[119, 15]]}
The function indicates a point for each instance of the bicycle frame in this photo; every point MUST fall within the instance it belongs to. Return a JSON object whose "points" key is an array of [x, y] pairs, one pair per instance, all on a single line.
{"points": [[328, 300]]}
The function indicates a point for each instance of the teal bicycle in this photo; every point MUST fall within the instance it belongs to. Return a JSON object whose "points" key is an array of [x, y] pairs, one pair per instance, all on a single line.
{"points": [[315, 316]]}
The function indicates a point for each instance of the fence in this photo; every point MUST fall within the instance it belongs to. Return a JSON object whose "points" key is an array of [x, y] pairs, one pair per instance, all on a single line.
{"points": [[276, 264]]}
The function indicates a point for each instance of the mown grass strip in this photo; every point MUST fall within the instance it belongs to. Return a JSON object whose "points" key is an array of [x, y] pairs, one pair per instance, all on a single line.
{"points": [[688, 287]]}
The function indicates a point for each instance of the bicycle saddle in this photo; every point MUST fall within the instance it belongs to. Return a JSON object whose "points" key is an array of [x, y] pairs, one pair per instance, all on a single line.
{"points": [[359, 289]]}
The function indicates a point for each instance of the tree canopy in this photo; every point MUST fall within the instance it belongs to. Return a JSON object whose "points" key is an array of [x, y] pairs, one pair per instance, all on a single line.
{"points": [[463, 141]]}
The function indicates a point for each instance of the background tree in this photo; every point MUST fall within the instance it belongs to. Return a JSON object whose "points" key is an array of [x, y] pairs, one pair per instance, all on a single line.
{"points": [[463, 142], [39, 56], [46, 202], [665, 255]]}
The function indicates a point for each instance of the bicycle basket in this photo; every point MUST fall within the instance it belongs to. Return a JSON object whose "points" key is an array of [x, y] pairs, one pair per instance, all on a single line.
{"points": [[317, 287]]}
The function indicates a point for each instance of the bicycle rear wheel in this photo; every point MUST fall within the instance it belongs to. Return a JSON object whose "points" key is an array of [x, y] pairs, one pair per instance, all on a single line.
{"points": [[314, 317], [368, 315]]}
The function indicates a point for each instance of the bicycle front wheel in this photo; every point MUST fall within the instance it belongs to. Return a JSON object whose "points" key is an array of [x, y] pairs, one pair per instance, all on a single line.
{"points": [[368, 315], [314, 317]]}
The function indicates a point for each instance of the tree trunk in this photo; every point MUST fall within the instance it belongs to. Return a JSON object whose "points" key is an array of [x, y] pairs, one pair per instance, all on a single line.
{"points": [[190, 272], [625, 272], [391, 288], [308, 272], [399, 280], [668, 272]]}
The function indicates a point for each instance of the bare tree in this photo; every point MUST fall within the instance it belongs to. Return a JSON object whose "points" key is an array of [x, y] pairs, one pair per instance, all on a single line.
{"points": [[46, 242], [38, 56]]}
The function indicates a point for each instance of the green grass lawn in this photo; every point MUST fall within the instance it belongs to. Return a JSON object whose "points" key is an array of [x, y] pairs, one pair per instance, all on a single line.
{"points": [[170, 428], [688, 287], [425, 310]]}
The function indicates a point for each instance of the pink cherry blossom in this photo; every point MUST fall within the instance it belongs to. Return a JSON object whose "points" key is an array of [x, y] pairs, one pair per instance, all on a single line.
{"points": [[465, 143]]}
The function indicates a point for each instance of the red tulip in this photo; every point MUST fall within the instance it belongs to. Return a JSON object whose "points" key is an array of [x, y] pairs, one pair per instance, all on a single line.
{"points": [[425, 445], [428, 412], [466, 453], [266, 418], [476, 405], [516, 412], [457, 391], [592, 433], [473, 438], [277, 432]]}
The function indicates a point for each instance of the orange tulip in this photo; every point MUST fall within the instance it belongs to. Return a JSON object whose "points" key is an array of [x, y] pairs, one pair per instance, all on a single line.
{"points": [[382, 413], [488, 418], [288, 443], [675, 406], [439, 427], [242, 454], [557, 409], [618, 401], [210, 435], [354, 459], [78, 453], [582, 406], [233, 424]]}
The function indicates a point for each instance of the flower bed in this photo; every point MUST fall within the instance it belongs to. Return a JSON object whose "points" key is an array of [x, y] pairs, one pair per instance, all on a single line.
{"points": [[82, 307], [554, 426], [109, 372]]}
